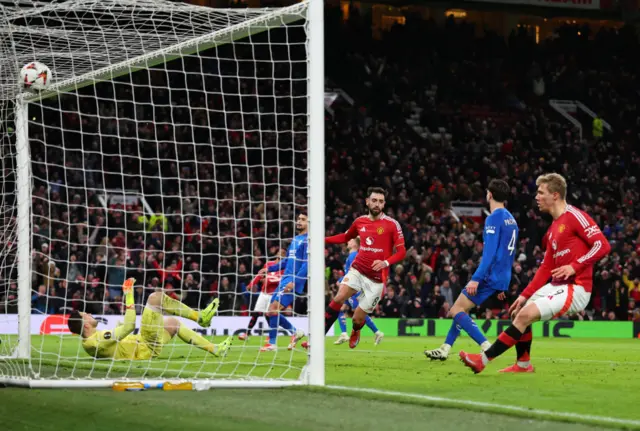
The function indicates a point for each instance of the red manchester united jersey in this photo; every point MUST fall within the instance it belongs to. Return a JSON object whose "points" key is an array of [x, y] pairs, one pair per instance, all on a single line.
{"points": [[377, 240], [572, 239], [270, 280]]}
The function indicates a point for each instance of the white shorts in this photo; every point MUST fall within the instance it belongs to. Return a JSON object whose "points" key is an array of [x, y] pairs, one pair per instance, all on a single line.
{"points": [[262, 305], [370, 291], [555, 301]]}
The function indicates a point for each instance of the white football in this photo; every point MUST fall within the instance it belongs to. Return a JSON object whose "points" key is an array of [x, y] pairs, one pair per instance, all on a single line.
{"points": [[35, 76]]}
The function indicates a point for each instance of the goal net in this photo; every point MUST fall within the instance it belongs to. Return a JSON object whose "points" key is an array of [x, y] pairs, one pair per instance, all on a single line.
{"points": [[174, 145]]}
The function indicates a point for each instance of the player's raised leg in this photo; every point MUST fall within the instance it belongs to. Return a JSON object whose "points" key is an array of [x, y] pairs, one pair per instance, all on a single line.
{"points": [[461, 320], [165, 304], [172, 327], [333, 309]]}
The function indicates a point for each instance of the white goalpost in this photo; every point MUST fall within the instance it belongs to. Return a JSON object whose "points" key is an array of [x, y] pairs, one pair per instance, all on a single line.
{"points": [[175, 144]]}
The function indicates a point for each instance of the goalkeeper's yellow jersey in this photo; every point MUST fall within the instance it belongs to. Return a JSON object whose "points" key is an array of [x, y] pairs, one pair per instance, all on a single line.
{"points": [[105, 344], [120, 343]]}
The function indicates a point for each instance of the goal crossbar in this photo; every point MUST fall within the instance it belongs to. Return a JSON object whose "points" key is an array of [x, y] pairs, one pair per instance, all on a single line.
{"points": [[251, 26]]}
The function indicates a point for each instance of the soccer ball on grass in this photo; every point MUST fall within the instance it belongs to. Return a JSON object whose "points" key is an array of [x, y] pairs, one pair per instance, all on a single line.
{"points": [[35, 76]]}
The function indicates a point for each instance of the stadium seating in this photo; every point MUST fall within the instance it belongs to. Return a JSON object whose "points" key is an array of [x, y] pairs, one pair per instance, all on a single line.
{"points": [[432, 122]]}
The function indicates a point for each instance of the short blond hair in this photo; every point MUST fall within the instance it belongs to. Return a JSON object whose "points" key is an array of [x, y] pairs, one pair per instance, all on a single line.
{"points": [[555, 184]]}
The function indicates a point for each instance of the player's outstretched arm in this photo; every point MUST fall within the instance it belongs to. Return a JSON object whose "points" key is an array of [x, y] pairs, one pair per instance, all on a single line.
{"points": [[343, 238], [129, 323]]}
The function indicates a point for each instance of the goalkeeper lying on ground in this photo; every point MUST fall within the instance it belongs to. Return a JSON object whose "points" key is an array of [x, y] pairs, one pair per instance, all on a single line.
{"points": [[155, 331]]}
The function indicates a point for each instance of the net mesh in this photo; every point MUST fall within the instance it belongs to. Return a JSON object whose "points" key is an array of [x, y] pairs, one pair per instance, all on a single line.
{"points": [[178, 157]]}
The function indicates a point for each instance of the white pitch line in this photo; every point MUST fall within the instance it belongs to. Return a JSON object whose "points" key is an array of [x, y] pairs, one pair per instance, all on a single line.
{"points": [[542, 414]]}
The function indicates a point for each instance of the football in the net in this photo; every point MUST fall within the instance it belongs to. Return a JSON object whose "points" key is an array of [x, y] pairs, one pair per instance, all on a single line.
{"points": [[35, 76]]}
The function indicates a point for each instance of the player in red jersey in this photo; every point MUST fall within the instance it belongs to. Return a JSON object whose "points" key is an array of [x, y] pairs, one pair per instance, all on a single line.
{"points": [[574, 243], [270, 281], [379, 235]]}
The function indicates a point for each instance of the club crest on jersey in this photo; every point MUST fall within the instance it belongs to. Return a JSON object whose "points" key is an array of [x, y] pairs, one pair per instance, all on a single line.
{"points": [[380, 230], [561, 228], [107, 335], [369, 240]]}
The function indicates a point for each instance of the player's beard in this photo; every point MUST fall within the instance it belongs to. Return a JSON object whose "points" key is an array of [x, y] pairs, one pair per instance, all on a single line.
{"points": [[375, 212]]}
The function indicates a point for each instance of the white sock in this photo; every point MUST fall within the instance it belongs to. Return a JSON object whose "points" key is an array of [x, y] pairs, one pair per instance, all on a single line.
{"points": [[485, 359], [484, 346], [523, 364], [445, 347]]}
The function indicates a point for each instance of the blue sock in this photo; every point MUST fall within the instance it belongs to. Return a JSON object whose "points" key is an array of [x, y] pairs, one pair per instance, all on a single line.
{"points": [[273, 332], [285, 324], [342, 321], [470, 327], [453, 334], [370, 324]]}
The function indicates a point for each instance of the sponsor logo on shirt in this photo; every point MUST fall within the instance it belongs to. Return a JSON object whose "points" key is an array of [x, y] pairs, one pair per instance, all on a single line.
{"points": [[592, 230], [490, 229], [561, 253], [372, 249], [369, 240]]}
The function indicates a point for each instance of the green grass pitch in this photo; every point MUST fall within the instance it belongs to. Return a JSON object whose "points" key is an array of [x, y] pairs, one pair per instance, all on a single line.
{"points": [[579, 384]]}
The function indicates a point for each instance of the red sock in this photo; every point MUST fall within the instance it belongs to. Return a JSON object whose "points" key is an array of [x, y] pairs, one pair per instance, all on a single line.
{"points": [[331, 315]]}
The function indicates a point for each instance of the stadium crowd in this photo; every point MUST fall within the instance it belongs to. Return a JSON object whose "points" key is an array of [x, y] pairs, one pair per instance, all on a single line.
{"points": [[219, 188]]}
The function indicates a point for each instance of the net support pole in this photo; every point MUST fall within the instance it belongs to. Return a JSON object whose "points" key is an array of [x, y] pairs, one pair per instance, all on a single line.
{"points": [[23, 179], [315, 76]]}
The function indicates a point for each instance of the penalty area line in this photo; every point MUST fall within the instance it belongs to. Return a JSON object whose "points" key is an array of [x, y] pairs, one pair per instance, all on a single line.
{"points": [[494, 408]]}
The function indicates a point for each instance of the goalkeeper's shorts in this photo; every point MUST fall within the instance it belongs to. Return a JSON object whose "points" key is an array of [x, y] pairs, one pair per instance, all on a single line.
{"points": [[152, 334]]}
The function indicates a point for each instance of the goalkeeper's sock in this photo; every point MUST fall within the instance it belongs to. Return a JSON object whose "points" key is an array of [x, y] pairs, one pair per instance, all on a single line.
{"points": [[453, 334], [177, 308], [505, 341], [342, 320], [273, 332], [191, 337], [330, 315], [523, 348], [470, 327], [254, 319], [370, 324]]}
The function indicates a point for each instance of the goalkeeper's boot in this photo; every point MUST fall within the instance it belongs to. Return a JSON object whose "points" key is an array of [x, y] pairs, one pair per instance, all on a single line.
{"points": [[343, 338], [299, 335], [439, 354], [515, 368], [268, 347], [206, 315], [243, 336], [473, 361], [379, 337], [223, 348], [305, 345], [354, 339]]}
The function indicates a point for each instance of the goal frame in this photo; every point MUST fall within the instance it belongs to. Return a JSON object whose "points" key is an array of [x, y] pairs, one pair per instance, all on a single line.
{"points": [[314, 371]]}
